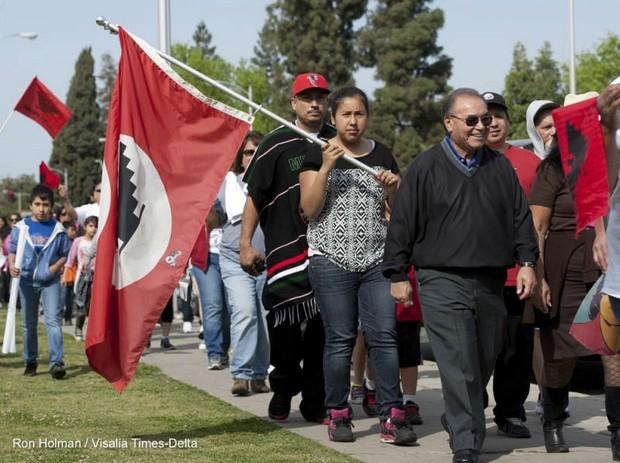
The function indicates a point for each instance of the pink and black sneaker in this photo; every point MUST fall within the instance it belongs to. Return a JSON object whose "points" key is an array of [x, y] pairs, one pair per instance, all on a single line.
{"points": [[395, 429], [340, 425]]}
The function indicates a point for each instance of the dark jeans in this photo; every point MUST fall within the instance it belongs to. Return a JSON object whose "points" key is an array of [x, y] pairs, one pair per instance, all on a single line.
{"points": [[513, 368], [67, 301], [344, 298], [290, 344], [464, 317]]}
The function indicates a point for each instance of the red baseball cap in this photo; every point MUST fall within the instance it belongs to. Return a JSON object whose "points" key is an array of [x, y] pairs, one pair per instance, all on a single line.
{"points": [[308, 81]]}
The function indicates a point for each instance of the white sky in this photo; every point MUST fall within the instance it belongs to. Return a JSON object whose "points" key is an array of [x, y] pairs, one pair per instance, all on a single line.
{"points": [[478, 34]]}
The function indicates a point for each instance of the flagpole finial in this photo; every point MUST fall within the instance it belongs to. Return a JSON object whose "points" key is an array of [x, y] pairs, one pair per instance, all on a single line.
{"points": [[107, 25]]}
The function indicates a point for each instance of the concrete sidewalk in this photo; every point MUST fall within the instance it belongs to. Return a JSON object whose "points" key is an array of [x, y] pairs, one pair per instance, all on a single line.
{"points": [[586, 431]]}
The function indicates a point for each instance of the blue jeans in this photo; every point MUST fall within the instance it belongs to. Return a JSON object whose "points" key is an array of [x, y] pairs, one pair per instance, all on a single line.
{"points": [[215, 317], [344, 297], [52, 313], [248, 332]]}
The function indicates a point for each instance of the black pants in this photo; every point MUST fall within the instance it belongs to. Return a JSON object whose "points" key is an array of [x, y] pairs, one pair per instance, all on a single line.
{"points": [[512, 377], [464, 317], [290, 344]]}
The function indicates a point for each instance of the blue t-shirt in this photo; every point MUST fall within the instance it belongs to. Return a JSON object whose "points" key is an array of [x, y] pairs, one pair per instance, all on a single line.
{"points": [[40, 232]]}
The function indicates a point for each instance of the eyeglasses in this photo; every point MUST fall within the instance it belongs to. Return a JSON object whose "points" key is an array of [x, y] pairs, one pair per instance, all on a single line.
{"points": [[249, 152], [472, 121], [13, 219]]}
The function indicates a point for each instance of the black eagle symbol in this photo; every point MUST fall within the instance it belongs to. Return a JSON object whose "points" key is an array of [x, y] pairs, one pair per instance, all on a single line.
{"points": [[577, 148], [128, 219]]}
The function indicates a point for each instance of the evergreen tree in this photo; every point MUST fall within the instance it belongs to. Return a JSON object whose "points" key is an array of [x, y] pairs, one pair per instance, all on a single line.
{"points": [[400, 39], [528, 81], [77, 146], [202, 40], [304, 36], [107, 76]]}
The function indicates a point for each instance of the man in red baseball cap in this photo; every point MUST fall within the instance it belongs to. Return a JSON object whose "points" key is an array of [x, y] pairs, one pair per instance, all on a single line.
{"points": [[293, 320]]}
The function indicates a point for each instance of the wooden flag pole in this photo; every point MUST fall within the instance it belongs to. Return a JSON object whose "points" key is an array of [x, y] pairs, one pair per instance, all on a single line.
{"points": [[113, 28]]}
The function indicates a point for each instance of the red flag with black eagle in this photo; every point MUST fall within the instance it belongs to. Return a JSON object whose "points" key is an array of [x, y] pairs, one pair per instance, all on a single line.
{"points": [[583, 159], [167, 150], [41, 105], [48, 177]]}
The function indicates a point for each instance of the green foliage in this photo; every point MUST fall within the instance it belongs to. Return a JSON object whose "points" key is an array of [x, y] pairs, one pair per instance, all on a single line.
{"points": [[202, 40], [307, 36], [107, 76], [239, 78], [596, 69], [77, 146], [528, 81], [10, 188], [400, 40]]}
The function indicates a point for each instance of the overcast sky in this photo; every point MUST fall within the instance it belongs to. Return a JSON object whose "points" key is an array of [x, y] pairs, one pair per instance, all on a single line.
{"points": [[478, 34]]}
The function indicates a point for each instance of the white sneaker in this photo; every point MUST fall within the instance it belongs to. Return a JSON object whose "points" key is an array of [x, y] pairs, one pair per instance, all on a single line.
{"points": [[202, 346], [187, 327]]}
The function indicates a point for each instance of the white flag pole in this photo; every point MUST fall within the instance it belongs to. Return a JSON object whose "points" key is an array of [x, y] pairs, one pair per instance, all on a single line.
{"points": [[114, 29], [6, 121], [8, 342]]}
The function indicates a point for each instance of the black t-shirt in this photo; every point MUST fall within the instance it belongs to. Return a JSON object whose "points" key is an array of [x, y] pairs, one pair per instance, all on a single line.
{"points": [[351, 228]]}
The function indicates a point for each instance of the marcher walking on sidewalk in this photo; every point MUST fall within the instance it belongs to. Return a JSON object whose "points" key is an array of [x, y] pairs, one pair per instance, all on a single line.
{"points": [[455, 196]]}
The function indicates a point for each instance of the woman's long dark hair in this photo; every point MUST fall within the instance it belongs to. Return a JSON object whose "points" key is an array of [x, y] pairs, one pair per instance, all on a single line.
{"points": [[253, 136]]}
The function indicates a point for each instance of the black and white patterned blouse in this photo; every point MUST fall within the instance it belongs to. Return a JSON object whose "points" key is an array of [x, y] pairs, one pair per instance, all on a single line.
{"points": [[350, 230]]}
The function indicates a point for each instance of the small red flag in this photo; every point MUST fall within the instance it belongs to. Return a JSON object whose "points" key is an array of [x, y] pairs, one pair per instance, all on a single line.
{"points": [[48, 177], [583, 159], [41, 105], [167, 150]]}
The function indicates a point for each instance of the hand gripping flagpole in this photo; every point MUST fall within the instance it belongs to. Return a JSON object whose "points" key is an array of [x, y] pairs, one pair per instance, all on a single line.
{"points": [[113, 28], [8, 342]]}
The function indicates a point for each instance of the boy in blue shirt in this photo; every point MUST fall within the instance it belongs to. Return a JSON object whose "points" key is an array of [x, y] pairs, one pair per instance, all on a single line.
{"points": [[45, 253]]}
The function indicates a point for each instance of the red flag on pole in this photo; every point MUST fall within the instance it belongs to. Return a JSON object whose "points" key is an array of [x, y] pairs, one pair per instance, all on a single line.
{"points": [[41, 105], [48, 177], [583, 159], [167, 150]]}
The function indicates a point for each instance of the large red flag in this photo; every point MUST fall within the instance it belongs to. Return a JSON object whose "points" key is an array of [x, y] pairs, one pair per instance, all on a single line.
{"points": [[167, 150], [41, 105], [583, 159], [48, 177]]}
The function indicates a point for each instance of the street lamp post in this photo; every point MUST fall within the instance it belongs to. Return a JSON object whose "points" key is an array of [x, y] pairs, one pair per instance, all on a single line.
{"points": [[23, 35]]}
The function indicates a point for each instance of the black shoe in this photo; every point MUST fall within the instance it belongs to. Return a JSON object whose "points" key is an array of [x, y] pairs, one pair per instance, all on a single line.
{"points": [[31, 369], [279, 406], [313, 412], [615, 445], [58, 371], [465, 456], [513, 427], [554, 438], [165, 344]]}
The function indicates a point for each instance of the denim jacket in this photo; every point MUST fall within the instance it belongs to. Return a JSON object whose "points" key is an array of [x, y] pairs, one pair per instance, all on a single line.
{"points": [[35, 267]]}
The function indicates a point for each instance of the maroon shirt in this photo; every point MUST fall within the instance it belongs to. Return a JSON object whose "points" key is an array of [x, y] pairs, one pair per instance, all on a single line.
{"points": [[525, 163]]}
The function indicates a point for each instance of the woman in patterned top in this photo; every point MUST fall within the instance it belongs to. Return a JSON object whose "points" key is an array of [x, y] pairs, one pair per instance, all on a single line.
{"points": [[346, 208]]}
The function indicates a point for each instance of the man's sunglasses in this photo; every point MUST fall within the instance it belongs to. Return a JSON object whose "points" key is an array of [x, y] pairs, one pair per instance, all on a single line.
{"points": [[472, 121]]}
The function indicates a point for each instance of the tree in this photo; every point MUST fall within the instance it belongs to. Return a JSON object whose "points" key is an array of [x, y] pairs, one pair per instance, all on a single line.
{"points": [[400, 39], [202, 40], [307, 35], [107, 76], [528, 81], [596, 69], [11, 188], [77, 147], [239, 78]]}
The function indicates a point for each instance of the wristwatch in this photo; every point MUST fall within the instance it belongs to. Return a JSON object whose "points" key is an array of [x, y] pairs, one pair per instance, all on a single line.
{"points": [[528, 264]]}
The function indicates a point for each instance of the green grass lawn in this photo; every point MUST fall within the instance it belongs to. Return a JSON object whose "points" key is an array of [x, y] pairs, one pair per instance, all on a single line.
{"points": [[155, 409]]}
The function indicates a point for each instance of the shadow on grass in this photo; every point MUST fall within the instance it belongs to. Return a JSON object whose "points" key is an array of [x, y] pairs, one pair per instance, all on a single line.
{"points": [[248, 425]]}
